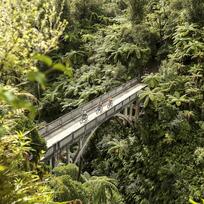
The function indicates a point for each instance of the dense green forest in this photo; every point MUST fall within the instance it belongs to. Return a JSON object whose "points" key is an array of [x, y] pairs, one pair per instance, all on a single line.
{"points": [[56, 55]]}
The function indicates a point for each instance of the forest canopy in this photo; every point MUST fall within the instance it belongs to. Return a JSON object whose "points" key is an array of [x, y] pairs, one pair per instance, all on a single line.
{"points": [[56, 55]]}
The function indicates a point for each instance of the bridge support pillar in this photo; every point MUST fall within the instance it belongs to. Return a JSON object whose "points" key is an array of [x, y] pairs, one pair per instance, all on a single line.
{"points": [[56, 155], [80, 144], [50, 162], [125, 111], [137, 110], [68, 154], [131, 111], [55, 160]]}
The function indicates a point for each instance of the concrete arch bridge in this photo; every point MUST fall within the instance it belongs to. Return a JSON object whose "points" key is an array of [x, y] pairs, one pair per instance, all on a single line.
{"points": [[68, 129]]}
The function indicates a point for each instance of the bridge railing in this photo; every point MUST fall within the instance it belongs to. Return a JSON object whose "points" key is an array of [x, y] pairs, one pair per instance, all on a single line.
{"points": [[88, 127], [76, 112]]}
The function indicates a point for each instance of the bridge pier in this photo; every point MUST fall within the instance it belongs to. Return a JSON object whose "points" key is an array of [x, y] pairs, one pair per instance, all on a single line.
{"points": [[80, 146], [137, 110], [56, 156], [80, 143], [68, 154], [131, 110], [50, 162], [53, 158], [125, 112]]}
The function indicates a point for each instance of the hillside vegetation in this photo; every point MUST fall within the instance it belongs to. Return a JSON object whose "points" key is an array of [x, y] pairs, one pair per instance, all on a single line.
{"points": [[56, 55]]}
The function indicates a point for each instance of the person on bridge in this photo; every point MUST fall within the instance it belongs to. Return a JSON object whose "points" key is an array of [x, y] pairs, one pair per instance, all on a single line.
{"points": [[99, 107], [84, 116], [110, 102]]}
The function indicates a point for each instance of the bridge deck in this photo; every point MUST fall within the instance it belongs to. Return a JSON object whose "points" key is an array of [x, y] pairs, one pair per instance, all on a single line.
{"points": [[65, 130]]}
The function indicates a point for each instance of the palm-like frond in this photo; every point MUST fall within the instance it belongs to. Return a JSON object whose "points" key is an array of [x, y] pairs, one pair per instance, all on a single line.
{"points": [[102, 189], [118, 147]]}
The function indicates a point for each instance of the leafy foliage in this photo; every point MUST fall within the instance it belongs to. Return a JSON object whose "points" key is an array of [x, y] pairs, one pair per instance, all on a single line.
{"points": [[160, 159], [31, 27], [17, 183], [90, 190]]}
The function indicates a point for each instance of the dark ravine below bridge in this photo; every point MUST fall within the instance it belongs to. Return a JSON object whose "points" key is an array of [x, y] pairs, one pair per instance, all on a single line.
{"points": [[67, 129]]}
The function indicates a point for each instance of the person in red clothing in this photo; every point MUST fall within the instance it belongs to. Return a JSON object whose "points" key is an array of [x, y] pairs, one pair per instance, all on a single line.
{"points": [[110, 101]]}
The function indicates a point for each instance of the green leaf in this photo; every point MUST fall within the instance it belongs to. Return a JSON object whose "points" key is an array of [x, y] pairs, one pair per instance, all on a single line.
{"points": [[42, 58], [178, 103], [2, 168], [192, 201], [151, 96], [177, 94], [68, 72], [59, 67], [9, 96], [66, 69], [146, 102], [37, 76], [202, 125]]}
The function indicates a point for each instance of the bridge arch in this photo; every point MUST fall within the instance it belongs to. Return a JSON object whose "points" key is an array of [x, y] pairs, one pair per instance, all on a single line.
{"points": [[124, 118]]}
